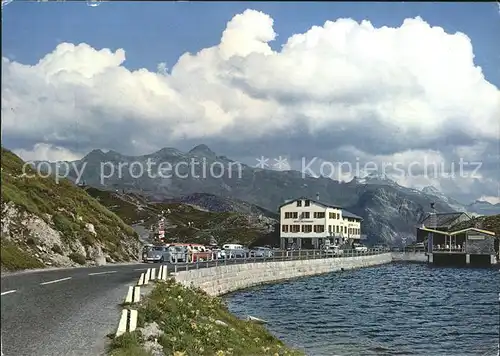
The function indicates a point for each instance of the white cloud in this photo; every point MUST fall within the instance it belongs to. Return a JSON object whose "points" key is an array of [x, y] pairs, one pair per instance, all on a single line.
{"points": [[46, 152], [491, 200], [404, 89]]}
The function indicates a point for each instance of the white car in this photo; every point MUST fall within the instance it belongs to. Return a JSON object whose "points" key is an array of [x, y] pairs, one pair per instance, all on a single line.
{"points": [[333, 250], [360, 248]]}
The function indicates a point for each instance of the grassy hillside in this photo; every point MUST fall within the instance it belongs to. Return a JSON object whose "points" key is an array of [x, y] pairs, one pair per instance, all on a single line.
{"points": [[491, 223], [188, 322], [43, 221], [131, 208], [225, 227]]}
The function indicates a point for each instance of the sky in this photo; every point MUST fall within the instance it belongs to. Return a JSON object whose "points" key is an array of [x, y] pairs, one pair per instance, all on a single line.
{"points": [[411, 85]]}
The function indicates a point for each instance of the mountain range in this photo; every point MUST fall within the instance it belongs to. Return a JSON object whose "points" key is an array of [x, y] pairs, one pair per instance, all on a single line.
{"points": [[390, 211]]}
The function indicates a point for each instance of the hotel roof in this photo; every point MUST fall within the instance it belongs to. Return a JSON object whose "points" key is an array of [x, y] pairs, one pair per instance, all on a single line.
{"points": [[345, 213]]}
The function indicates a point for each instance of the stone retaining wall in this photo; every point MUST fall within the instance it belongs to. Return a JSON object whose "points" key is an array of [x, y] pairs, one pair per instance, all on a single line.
{"points": [[409, 257], [220, 280]]}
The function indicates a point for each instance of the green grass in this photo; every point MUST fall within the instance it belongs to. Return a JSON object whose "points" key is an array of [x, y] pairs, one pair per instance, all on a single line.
{"points": [[226, 227], [63, 205], [15, 257], [187, 318], [128, 344], [77, 258], [125, 209]]}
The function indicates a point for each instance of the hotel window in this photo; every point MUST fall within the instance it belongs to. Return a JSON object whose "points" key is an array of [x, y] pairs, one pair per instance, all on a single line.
{"points": [[284, 228], [329, 228], [345, 229], [295, 228], [299, 202], [306, 215], [338, 216], [319, 215], [307, 203], [331, 215], [337, 229], [306, 228], [319, 228], [288, 215]]}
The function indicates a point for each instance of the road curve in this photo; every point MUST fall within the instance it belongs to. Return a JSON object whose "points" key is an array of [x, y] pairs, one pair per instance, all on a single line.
{"points": [[65, 312]]}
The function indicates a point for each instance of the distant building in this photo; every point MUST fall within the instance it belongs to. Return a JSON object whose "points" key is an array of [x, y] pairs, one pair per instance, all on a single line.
{"points": [[306, 223], [440, 222], [471, 244], [444, 243]]}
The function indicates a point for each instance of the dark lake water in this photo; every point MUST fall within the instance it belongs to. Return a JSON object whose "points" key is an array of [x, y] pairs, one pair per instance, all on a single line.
{"points": [[396, 309]]}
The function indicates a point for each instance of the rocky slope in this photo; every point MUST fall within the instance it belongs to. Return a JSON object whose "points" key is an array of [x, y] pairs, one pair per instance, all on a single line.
{"points": [[45, 223], [391, 211], [433, 191], [212, 202]]}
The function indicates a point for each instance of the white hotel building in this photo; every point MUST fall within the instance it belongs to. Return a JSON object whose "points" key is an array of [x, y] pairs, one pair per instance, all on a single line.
{"points": [[307, 224]]}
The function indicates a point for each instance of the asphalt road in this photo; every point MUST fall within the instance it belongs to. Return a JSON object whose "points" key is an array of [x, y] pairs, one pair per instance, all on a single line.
{"points": [[63, 312]]}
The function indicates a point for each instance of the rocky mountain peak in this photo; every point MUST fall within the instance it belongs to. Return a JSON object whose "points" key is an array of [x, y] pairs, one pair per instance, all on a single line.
{"points": [[203, 150], [96, 154], [431, 190]]}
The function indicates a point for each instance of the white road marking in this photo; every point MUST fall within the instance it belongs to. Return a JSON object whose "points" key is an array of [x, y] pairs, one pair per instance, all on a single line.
{"points": [[55, 281], [140, 269], [98, 273], [8, 292]]}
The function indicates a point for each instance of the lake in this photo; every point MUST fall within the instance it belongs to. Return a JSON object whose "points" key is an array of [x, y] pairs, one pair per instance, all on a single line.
{"points": [[394, 309]]}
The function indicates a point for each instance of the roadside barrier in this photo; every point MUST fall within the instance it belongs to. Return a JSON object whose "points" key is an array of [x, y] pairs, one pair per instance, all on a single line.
{"points": [[128, 322], [128, 319], [275, 256]]}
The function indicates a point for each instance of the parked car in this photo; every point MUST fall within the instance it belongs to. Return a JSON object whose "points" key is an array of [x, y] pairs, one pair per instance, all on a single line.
{"points": [[163, 254], [222, 254], [333, 250], [178, 253], [199, 253], [145, 250], [261, 252], [235, 251], [360, 248]]}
